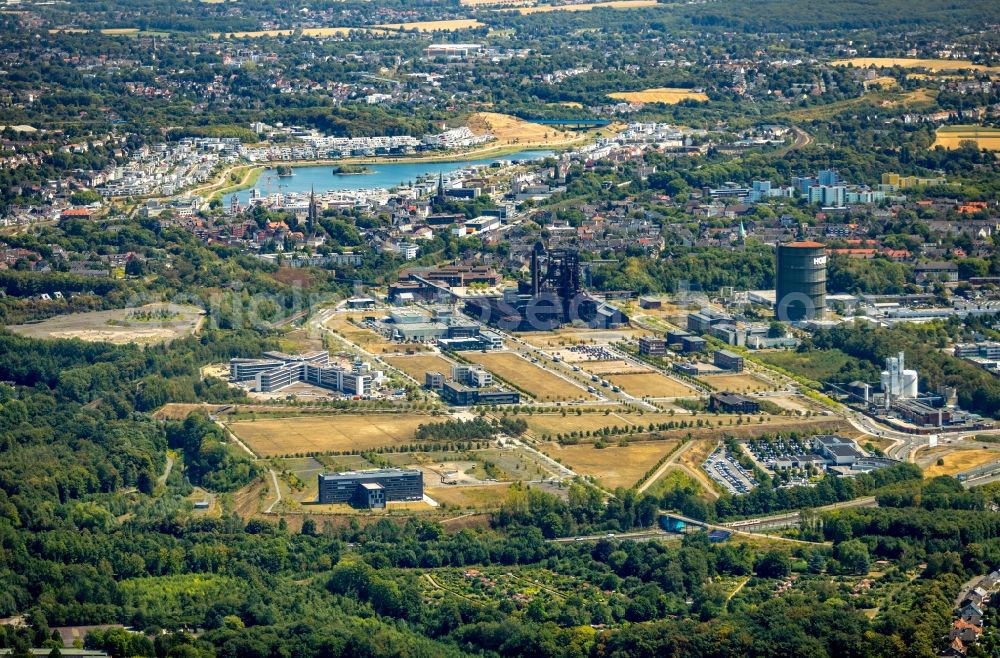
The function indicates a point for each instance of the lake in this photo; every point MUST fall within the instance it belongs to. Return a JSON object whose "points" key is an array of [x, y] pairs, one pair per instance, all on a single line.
{"points": [[386, 176]]}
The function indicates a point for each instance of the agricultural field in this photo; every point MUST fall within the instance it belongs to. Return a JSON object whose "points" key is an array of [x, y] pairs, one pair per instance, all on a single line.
{"points": [[951, 137], [418, 365], [539, 384], [664, 95], [613, 466], [276, 437], [434, 26], [145, 325], [955, 460], [512, 130], [614, 4], [911, 63], [651, 384], [742, 383]]}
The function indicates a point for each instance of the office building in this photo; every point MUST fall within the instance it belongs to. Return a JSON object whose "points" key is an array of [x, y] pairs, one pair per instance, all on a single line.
{"points": [[728, 361], [650, 346], [371, 489]]}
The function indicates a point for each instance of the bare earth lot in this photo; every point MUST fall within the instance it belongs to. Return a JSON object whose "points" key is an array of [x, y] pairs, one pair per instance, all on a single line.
{"points": [[483, 497], [120, 326], [540, 384], [369, 340], [651, 384], [274, 437], [613, 466]]}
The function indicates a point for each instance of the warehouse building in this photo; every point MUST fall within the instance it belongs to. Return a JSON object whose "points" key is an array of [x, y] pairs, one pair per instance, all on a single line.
{"points": [[371, 489]]}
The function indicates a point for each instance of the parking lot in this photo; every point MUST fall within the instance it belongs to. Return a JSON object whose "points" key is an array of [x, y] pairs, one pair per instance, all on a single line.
{"points": [[723, 467]]}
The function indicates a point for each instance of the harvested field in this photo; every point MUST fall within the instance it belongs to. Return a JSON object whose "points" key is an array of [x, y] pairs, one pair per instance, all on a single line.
{"points": [[417, 366], [143, 325], [483, 497], [651, 384], [951, 137], [744, 383], [275, 437], [955, 460], [539, 384], [435, 26], [512, 130], [911, 63], [614, 4], [613, 466], [664, 95]]}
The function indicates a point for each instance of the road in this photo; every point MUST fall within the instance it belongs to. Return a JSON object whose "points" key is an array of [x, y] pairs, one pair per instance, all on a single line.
{"points": [[672, 461], [277, 492], [162, 480]]}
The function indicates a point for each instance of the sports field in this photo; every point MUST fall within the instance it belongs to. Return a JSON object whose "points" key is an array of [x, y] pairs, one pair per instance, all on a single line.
{"points": [[276, 437], [539, 384], [911, 63], [417, 366], [613, 466], [951, 137], [651, 384], [664, 95]]}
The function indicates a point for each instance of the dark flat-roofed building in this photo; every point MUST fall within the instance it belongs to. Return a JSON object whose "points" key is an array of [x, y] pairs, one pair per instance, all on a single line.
{"points": [[371, 488], [733, 403], [729, 360]]}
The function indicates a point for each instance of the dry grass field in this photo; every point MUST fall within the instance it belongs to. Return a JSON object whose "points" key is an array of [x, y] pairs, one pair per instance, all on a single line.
{"points": [[955, 461], [435, 26], [613, 466], [540, 384], [318, 32], [122, 326], [664, 95], [615, 367], [744, 383], [911, 63], [553, 424], [651, 384], [568, 337], [484, 497], [615, 4], [369, 340], [417, 366], [180, 410], [276, 437], [951, 137], [512, 130]]}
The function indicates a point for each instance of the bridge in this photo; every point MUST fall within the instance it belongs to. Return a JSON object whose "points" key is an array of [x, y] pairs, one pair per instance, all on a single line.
{"points": [[572, 123]]}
